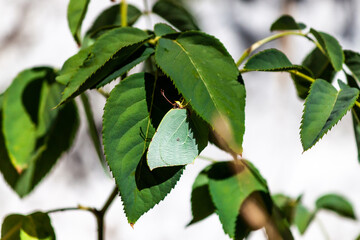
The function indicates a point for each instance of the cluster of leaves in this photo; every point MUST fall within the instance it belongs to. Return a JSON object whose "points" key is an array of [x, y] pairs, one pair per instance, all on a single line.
{"points": [[147, 140]]}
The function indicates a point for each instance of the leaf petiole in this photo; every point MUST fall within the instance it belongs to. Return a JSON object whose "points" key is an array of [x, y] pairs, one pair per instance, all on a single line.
{"points": [[258, 44]]}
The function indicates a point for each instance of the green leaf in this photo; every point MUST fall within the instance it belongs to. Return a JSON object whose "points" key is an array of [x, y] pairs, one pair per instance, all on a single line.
{"points": [[315, 65], [198, 64], [20, 115], [337, 204], [126, 133], [176, 14], [352, 61], [230, 184], [201, 203], [173, 143], [36, 226], [140, 55], [111, 17], [319, 65], [58, 139], [286, 205], [75, 14], [109, 53], [286, 22], [162, 29], [324, 107], [303, 218], [331, 47], [269, 60]]}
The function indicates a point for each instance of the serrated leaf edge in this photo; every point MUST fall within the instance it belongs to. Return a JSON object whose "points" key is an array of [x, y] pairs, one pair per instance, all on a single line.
{"points": [[318, 138], [93, 73]]}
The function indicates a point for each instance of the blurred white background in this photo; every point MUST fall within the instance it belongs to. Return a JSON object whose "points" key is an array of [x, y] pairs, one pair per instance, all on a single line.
{"points": [[34, 33]]}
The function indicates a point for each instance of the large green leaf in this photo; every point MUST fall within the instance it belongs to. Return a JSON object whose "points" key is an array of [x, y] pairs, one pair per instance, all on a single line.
{"points": [[230, 184], [75, 14], [286, 22], [58, 139], [337, 204], [315, 65], [175, 13], [93, 64], [36, 226], [201, 203], [126, 133], [27, 114], [324, 107], [331, 47], [303, 218], [269, 60], [352, 61], [111, 17], [198, 64]]}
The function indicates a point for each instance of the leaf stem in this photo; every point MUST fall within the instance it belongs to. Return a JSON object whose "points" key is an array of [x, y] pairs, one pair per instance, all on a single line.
{"points": [[322, 228], [102, 92], [123, 10], [92, 129], [304, 76], [110, 200], [207, 159], [79, 207], [258, 44]]}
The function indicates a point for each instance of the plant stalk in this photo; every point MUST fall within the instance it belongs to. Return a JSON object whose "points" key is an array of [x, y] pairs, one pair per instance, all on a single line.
{"points": [[123, 10], [322, 228], [258, 44], [99, 214], [102, 92], [207, 159]]}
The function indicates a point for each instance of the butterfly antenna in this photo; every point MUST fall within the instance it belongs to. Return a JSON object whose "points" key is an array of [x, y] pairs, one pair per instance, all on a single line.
{"points": [[163, 93]]}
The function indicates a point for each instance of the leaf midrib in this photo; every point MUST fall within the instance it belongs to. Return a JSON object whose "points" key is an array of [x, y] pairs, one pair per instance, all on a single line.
{"points": [[200, 75]]}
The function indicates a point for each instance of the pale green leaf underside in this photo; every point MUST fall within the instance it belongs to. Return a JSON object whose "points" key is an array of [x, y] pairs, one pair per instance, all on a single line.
{"points": [[324, 107], [173, 143], [198, 64], [93, 64], [229, 189], [126, 130], [19, 130], [269, 60], [332, 47], [75, 14], [337, 204]]}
